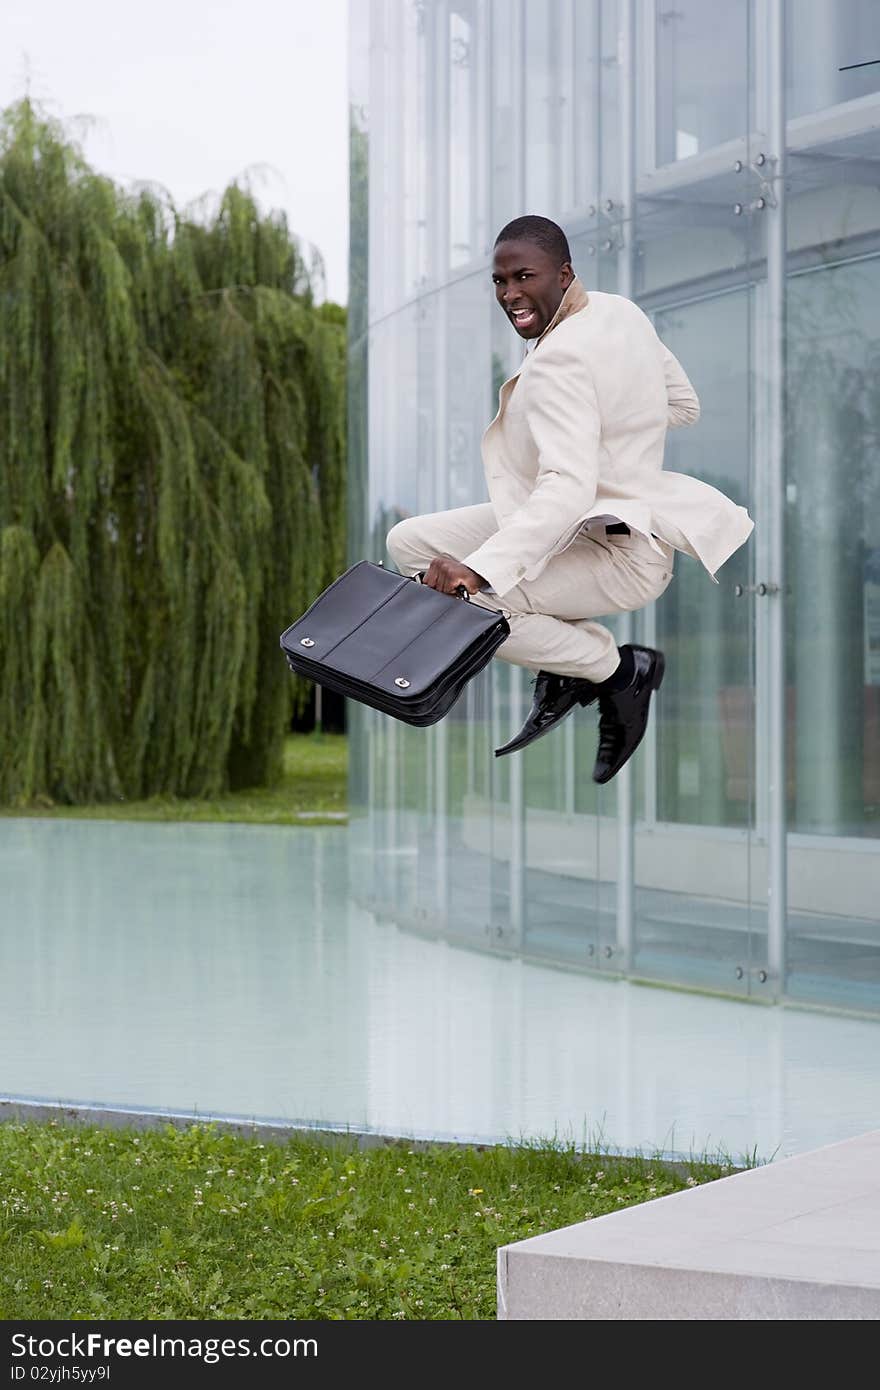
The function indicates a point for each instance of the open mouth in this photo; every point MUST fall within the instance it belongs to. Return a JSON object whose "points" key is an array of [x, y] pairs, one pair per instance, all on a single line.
{"points": [[524, 318]]}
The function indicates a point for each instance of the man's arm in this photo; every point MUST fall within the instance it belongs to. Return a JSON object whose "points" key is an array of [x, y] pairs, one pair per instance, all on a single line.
{"points": [[683, 402], [562, 416]]}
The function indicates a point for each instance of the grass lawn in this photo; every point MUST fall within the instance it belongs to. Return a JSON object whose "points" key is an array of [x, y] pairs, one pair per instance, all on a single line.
{"points": [[194, 1223], [313, 791]]}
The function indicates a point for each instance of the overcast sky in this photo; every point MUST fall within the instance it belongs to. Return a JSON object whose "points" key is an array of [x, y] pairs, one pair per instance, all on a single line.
{"points": [[191, 93]]}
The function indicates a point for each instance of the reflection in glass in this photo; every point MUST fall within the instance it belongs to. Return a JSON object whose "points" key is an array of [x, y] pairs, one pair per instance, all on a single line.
{"points": [[505, 101], [416, 96], [542, 105], [527, 853], [834, 543], [701, 76], [462, 117], [704, 718], [823, 36]]}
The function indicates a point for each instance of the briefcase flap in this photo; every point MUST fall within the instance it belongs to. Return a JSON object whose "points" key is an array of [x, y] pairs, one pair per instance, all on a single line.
{"points": [[385, 629]]}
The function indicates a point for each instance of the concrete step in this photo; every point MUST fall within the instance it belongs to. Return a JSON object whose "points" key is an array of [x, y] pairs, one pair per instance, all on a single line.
{"points": [[798, 1239]]}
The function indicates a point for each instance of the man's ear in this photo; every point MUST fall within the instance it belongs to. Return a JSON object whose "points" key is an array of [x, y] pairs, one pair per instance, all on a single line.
{"points": [[566, 274]]}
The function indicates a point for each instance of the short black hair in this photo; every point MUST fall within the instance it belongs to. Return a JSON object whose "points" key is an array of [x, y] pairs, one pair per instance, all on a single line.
{"points": [[541, 232]]}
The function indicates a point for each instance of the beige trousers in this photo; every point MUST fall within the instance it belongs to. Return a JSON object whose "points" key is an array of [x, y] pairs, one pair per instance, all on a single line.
{"points": [[551, 617]]}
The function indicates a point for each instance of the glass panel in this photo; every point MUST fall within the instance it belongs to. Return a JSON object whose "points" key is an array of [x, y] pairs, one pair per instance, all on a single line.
{"points": [[609, 268], [833, 653], [608, 118], [692, 897], [590, 116], [393, 423], [462, 150], [543, 54], [703, 772], [415, 97], [823, 36], [470, 399], [832, 525], [358, 356], [701, 76], [505, 113], [467, 729], [700, 217], [562, 873]]}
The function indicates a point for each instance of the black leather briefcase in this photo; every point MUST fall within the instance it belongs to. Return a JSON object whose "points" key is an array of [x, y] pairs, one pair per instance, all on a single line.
{"points": [[393, 643]]}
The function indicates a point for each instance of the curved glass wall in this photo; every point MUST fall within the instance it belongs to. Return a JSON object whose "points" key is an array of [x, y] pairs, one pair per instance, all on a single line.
{"points": [[718, 163]]}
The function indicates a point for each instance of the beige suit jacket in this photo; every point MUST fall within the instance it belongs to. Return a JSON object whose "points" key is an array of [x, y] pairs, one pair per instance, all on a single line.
{"points": [[579, 436]]}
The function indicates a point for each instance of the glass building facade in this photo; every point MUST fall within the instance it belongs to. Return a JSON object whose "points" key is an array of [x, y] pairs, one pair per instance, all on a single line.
{"points": [[719, 163]]}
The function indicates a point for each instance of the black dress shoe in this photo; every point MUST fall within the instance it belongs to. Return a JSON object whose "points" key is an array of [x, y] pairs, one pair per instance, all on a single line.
{"points": [[554, 698], [623, 714]]}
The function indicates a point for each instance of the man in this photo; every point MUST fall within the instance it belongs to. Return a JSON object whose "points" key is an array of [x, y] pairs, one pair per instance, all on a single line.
{"points": [[582, 521]]}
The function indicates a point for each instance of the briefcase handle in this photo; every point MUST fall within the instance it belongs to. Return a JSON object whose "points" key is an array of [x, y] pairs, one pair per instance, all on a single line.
{"points": [[461, 590]]}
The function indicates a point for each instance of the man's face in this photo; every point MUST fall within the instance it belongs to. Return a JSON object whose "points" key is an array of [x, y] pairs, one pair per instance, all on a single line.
{"points": [[529, 285]]}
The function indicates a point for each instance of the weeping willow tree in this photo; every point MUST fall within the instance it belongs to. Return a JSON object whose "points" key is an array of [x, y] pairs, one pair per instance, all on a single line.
{"points": [[171, 480]]}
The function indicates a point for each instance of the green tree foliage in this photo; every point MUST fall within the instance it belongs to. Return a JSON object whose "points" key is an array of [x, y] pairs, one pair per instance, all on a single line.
{"points": [[172, 479]]}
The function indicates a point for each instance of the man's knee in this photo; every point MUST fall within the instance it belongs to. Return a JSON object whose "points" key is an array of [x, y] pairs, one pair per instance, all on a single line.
{"points": [[402, 541]]}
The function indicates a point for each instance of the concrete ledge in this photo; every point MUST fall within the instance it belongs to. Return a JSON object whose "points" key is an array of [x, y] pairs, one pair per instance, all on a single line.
{"points": [[799, 1239], [17, 1111]]}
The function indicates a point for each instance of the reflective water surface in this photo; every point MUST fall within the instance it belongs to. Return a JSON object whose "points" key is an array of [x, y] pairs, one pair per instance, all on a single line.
{"points": [[226, 970]]}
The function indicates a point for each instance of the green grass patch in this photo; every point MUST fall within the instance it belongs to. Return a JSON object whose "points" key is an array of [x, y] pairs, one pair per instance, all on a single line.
{"points": [[313, 791], [195, 1223]]}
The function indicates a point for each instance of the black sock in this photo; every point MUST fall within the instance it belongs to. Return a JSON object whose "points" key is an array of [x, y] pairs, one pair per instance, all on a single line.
{"points": [[623, 676]]}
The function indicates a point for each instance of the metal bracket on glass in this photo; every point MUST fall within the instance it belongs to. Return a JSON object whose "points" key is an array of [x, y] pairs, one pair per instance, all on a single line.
{"points": [[762, 975], [760, 589], [766, 198]]}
